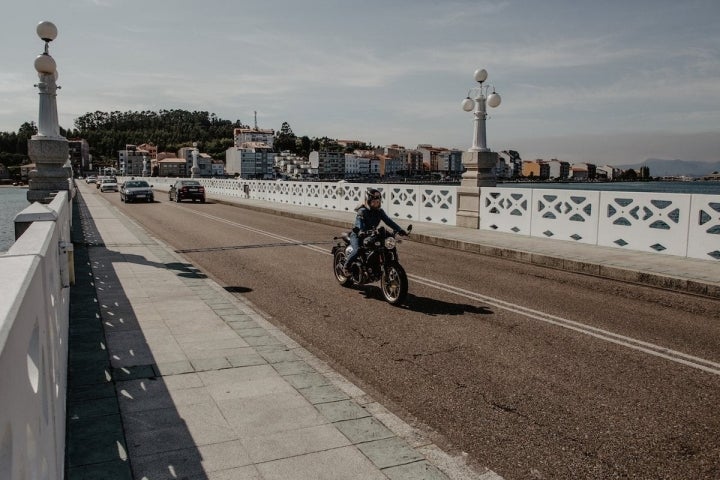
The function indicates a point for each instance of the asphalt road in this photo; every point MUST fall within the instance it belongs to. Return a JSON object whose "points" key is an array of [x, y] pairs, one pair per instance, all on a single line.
{"points": [[535, 373]]}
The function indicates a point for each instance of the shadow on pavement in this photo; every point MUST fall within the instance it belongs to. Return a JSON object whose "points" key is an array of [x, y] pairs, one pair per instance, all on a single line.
{"points": [[122, 422]]}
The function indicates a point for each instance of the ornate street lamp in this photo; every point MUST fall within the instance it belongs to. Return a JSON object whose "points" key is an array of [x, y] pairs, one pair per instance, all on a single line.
{"points": [[479, 161], [194, 170], [48, 150], [48, 75], [476, 100]]}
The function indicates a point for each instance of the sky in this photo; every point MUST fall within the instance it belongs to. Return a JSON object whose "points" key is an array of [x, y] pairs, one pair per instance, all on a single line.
{"points": [[608, 82]]}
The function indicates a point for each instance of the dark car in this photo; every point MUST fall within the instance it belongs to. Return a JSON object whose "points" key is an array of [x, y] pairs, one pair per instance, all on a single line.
{"points": [[133, 190], [187, 189]]}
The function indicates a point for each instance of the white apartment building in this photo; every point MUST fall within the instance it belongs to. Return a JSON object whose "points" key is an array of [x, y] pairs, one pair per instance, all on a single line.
{"points": [[558, 169], [328, 164], [252, 160], [254, 135], [217, 168], [130, 161], [356, 165], [608, 172], [294, 166]]}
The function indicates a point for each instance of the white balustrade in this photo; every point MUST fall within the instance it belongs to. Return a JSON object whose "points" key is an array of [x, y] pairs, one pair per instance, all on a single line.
{"points": [[34, 316], [667, 223]]}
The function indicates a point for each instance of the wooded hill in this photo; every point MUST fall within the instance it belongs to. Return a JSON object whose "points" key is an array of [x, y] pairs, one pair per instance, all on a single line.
{"points": [[169, 130]]}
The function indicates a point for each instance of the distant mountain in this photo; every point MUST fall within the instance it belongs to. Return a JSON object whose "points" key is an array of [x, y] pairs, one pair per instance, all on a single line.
{"points": [[675, 168]]}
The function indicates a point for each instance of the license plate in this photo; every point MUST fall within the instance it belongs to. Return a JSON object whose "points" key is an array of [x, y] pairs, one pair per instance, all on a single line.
{"points": [[192, 189], [140, 196]]}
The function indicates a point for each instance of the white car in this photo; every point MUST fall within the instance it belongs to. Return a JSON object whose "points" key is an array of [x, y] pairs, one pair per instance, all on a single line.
{"points": [[108, 184]]}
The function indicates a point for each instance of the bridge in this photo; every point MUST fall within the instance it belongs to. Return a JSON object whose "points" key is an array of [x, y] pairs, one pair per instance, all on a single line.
{"points": [[145, 394]]}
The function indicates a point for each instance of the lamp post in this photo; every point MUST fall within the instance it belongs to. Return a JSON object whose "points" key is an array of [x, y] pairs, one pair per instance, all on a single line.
{"points": [[478, 160], [477, 102], [145, 170], [48, 149]]}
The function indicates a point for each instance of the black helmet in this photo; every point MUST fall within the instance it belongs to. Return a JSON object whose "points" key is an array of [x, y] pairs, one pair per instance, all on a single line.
{"points": [[373, 194]]}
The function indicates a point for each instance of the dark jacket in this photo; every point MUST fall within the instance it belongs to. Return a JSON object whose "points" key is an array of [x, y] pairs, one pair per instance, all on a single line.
{"points": [[368, 219]]}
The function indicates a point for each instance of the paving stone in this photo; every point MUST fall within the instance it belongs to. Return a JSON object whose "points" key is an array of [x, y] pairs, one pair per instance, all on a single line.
{"points": [[173, 368], [93, 408], [323, 394], [251, 331], [245, 359], [204, 364], [292, 368], [344, 463], [305, 380], [389, 452], [276, 355], [114, 470], [342, 410], [263, 340], [90, 441], [134, 372], [414, 471], [363, 430]]}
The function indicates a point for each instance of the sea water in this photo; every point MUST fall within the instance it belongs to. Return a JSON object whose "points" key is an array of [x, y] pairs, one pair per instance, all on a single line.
{"points": [[12, 201]]}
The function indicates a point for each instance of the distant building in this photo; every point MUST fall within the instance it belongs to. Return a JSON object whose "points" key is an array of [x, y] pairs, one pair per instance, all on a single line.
{"points": [[172, 167], [252, 160], [150, 148], [253, 135], [4, 172], [509, 165], [79, 152], [450, 161], [356, 166], [557, 169], [204, 161], [328, 164], [290, 165], [217, 168], [414, 161], [608, 172], [130, 160], [584, 171], [431, 157], [537, 169]]}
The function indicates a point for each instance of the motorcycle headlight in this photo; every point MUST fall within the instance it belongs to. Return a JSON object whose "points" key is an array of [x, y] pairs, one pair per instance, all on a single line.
{"points": [[389, 243]]}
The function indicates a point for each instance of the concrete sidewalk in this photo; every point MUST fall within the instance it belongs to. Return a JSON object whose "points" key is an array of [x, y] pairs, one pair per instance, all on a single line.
{"points": [[172, 377]]}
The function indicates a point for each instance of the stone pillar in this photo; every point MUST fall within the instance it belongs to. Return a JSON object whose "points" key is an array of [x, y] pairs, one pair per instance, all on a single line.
{"points": [[49, 155], [480, 173]]}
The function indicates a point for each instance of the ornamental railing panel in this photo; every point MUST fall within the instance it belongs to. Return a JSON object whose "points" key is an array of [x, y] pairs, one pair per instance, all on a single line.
{"points": [[565, 215], [704, 229], [506, 209], [649, 222], [402, 202]]}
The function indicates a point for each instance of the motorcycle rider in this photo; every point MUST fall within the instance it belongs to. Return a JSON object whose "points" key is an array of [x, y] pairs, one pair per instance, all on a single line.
{"points": [[369, 216]]}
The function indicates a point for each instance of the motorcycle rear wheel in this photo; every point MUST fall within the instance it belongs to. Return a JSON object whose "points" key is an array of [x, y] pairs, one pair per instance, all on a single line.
{"points": [[394, 284], [338, 263]]}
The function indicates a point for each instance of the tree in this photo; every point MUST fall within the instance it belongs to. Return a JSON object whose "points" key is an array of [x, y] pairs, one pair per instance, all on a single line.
{"points": [[285, 139]]}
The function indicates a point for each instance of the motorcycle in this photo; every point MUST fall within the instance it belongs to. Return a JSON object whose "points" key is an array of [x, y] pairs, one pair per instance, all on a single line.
{"points": [[377, 261]]}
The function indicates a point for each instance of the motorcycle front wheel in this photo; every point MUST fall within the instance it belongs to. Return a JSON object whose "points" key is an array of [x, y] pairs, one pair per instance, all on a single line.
{"points": [[394, 284], [338, 263]]}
